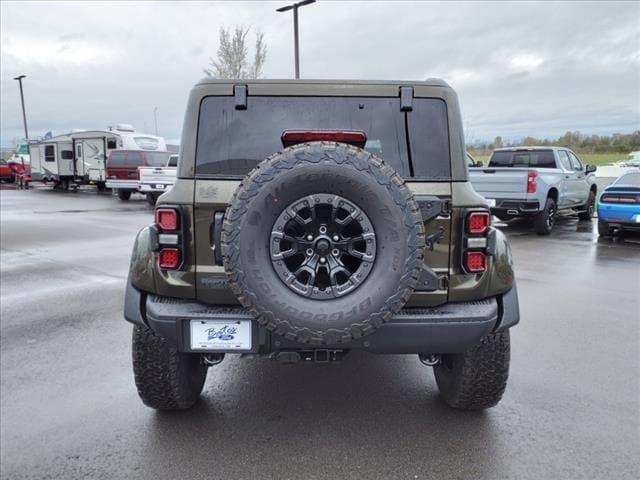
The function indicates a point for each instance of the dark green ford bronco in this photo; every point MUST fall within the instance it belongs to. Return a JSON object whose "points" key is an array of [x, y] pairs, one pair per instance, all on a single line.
{"points": [[311, 218]]}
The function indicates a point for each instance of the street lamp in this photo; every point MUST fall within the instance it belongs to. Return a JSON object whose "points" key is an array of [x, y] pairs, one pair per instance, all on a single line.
{"points": [[294, 7], [24, 115], [155, 118]]}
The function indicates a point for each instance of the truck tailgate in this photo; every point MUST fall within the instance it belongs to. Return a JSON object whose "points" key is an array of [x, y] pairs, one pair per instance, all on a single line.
{"points": [[500, 182], [157, 174]]}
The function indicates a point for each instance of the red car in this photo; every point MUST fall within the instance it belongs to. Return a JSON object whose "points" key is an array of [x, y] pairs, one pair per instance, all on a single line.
{"points": [[122, 169], [6, 172]]}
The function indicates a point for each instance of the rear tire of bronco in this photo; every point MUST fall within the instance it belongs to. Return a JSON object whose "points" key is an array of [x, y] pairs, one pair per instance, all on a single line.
{"points": [[165, 378], [587, 214], [124, 194], [477, 378], [545, 220]]}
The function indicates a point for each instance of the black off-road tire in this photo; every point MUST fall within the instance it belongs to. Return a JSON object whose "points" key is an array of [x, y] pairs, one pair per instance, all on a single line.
{"points": [[124, 194], [333, 169], [477, 378], [544, 221], [589, 208], [604, 230], [165, 378]]}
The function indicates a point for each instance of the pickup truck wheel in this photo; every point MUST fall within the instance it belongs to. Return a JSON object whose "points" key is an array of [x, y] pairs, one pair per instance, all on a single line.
{"points": [[587, 213], [323, 243], [152, 198], [604, 230], [165, 378], [124, 194], [546, 219], [477, 378]]}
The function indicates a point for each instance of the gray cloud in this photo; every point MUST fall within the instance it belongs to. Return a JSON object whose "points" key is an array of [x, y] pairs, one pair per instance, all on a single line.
{"points": [[519, 68]]}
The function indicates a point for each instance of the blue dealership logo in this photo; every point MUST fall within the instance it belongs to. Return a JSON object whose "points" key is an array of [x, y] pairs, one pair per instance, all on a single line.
{"points": [[225, 333]]}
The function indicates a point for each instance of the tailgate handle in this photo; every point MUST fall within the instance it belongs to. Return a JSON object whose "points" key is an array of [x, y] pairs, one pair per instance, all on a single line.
{"points": [[217, 237]]}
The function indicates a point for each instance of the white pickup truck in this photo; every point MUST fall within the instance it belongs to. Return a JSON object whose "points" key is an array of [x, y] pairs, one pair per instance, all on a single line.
{"points": [[536, 182], [154, 181]]}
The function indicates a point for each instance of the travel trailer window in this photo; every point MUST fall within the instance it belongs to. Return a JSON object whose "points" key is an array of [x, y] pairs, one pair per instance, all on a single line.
{"points": [[66, 155], [49, 153], [111, 143], [147, 143]]}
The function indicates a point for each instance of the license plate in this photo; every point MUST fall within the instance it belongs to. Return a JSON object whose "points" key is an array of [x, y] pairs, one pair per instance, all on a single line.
{"points": [[159, 186], [220, 335], [491, 202]]}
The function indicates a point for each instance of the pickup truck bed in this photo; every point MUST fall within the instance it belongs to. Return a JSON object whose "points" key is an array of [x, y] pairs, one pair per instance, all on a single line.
{"points": [[506, 190], [156, 179]]}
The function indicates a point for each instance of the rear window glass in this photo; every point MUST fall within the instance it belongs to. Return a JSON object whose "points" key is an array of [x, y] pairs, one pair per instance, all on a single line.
{"points": [[632, 179], [429, 137], [157, 159], [523, 158], [117, 159], [133, 159], [232, 142]]}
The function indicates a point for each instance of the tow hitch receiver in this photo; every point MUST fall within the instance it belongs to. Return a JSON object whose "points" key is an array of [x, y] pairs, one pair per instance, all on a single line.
{"points": [[310, 356]]}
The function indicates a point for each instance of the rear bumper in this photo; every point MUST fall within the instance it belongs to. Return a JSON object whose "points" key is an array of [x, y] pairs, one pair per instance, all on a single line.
{"points": [[159, 187], [123, 184], [449, 328], [619, 213], [515, 207]]}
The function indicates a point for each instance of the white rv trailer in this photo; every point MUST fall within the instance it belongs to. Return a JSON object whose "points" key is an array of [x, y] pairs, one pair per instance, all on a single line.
{"points": [[79, 156]]}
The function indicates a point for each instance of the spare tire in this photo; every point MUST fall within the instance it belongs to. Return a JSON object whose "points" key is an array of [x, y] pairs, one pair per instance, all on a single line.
{"points": [[323, 243]]}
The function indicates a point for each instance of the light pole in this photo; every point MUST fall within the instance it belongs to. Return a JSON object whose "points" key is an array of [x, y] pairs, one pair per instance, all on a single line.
{"points": [[294, 7], [24, 115], [155, 118]]}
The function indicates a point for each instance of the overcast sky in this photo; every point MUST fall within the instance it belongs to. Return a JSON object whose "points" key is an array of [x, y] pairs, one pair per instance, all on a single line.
{"points": [[538, 68]]}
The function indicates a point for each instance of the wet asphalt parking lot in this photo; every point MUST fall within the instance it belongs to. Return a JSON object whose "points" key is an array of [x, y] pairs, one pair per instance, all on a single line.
{"points": [[69, 408]]}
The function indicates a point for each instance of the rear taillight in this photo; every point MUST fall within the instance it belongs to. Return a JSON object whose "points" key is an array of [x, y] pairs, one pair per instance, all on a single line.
{"points": [[531, 181], [619, 199], [475, 241], [353, 137], [169, 258], [475, 262], [167, 219], [169, 238], [478, 222]]}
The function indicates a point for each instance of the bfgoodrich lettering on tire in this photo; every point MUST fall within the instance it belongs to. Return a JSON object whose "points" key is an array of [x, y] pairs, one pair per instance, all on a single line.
{"points": [[331, 269]]}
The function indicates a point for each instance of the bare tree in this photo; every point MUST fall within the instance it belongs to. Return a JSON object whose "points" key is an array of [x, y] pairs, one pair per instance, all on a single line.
{"points": [[231, 61]]}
